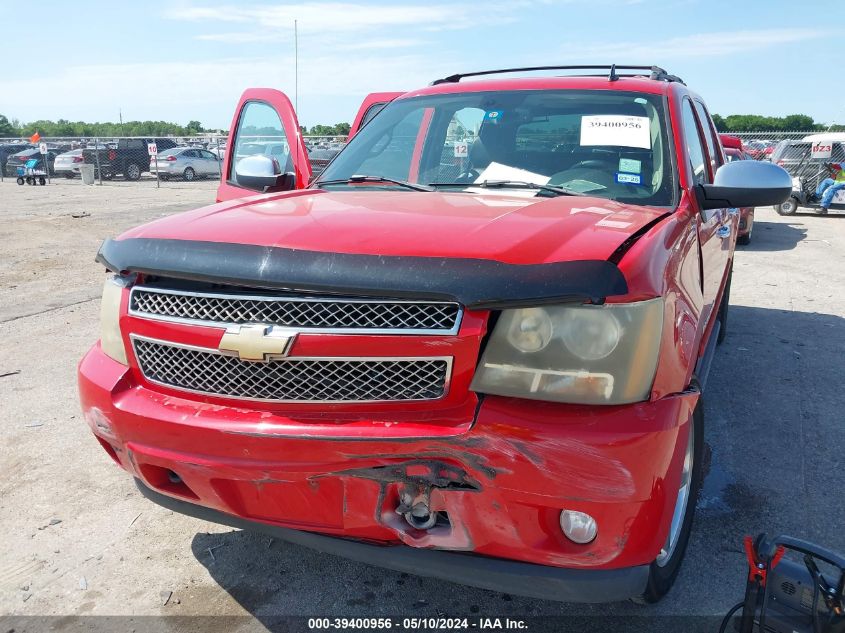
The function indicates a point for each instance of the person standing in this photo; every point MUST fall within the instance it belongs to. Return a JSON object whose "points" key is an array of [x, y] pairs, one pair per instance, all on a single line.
{"points": [[829, 186]]}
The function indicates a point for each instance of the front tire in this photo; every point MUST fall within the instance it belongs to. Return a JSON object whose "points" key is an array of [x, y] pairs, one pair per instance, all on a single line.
{"points": [[132, 171], [189, 174], [789, 207], [664, 570]]}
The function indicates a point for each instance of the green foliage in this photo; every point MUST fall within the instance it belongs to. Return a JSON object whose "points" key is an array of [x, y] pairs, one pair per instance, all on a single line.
{"points": [[757, 123], [6, 128], [63, 127], [339, 129]]}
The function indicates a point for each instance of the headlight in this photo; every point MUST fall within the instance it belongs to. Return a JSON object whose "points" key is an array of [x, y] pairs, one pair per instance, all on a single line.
{"points": [[583, 354], [110, 339]]}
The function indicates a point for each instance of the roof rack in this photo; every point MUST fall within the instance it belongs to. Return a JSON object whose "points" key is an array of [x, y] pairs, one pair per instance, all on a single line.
{"points": [[655, 72]]}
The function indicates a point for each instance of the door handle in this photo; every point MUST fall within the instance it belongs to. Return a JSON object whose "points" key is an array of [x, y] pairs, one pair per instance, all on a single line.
{"points": [[724, 231]]}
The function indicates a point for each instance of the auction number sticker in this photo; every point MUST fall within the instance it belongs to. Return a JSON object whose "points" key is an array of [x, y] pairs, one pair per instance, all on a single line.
{"points": [[616, 129], [461, 149], [822, 150]]}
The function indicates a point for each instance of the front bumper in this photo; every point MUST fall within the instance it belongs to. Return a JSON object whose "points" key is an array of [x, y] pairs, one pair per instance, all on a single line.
{"points": [[501, 480], [523, 579]]}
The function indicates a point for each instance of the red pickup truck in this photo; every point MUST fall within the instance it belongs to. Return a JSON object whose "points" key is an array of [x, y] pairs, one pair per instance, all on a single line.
{"points": [[475, 348]]}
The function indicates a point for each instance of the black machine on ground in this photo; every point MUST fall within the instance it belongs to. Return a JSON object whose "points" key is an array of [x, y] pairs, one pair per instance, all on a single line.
{"points": [[793, 587]]}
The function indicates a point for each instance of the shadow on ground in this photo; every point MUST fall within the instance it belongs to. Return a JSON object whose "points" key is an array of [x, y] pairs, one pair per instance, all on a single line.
{"points": [[774, 439], [775, 236]]}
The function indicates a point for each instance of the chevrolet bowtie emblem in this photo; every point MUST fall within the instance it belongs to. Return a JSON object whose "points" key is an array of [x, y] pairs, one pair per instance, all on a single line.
{"points": [[257, 342]]}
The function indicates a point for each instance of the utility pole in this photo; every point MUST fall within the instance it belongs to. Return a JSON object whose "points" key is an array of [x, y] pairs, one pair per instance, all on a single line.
{"points": [[296, 67]]}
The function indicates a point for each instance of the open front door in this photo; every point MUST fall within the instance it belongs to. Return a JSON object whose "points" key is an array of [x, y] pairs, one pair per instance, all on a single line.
{"points": [[264, 125], [371, 106]]}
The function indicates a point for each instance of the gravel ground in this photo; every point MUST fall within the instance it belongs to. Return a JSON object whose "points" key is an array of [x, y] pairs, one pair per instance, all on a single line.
{"points": [[79, 539]]}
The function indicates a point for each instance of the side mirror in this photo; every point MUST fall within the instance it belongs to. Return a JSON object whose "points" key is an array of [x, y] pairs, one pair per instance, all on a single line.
{"points": [[263, 174], [746, 183]]}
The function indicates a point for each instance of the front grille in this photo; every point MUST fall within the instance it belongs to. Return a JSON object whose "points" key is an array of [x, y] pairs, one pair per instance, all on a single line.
{"points": [[296, 312], [293, 379]]}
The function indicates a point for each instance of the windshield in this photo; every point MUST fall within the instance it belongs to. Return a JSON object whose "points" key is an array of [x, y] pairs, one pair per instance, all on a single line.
{"points": [[610, 144]]}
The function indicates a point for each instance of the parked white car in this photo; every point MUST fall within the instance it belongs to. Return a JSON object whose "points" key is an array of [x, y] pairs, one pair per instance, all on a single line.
{"points": [[68, 164], [187, 163]]}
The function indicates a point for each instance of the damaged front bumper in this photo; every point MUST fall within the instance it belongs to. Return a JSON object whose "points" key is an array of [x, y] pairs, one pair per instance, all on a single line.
{"points": [[488, 495]]}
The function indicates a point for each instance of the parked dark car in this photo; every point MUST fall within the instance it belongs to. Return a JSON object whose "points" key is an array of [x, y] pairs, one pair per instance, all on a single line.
{"points": [[129, 159], [7, 149], [19, 160]]}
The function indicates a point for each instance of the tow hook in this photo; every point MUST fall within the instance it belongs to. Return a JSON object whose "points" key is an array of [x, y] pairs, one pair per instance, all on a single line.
{"points": [[416, 511]]}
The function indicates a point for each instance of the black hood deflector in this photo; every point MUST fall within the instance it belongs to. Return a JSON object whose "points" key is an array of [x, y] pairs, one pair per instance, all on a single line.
{"points": [[475, 283]]}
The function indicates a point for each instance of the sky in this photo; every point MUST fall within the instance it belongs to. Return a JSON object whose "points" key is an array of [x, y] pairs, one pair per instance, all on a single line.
{"points": [[190, 59]]}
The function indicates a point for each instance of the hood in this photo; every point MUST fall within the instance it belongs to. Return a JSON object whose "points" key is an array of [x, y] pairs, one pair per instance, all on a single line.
{"points": [[507, 228]]}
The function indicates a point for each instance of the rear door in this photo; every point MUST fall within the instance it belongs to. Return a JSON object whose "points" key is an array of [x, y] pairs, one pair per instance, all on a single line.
{"points": [[371, 106], [263, 117]]}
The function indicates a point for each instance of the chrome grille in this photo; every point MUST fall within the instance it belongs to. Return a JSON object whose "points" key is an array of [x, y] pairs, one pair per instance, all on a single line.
{"points": [[209, 372], [326, 314]]}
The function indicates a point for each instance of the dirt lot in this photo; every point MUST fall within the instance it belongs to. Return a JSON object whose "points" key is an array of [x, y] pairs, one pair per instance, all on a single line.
{"points": [[79, 539]]}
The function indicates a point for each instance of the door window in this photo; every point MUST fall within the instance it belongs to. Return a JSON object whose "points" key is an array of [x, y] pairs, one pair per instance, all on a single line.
{"points": [[709, 137], [260, 132], [695, 149]]}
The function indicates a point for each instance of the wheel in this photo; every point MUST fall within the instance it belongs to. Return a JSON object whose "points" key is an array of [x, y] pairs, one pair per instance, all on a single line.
{"points": [[745, 240], [20, 180], [189, 174], [724, 307], [30, 180], [42, 181], [132, 171], [665, 568], [789, 207]]}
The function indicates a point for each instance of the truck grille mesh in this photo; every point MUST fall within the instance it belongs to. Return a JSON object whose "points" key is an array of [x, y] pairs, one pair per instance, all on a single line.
{"points": [[297, 312], [293, 380]]}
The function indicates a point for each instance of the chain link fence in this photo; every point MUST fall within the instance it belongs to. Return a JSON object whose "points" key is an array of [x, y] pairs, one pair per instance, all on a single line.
{"points": [[154, 160]]}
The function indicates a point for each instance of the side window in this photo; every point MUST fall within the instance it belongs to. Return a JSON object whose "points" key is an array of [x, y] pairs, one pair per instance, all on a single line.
{"points": [[259, 128], [709, 137], [695, 149], [135, 143]]}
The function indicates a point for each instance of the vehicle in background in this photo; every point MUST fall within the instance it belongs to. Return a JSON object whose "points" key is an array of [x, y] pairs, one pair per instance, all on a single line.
{"points": [[746, 214], [68, 164], [129, 158], [760, 150], [320, 158], [218, 150], [187, 163], [7, 149], [19, 160], [807, 162]]}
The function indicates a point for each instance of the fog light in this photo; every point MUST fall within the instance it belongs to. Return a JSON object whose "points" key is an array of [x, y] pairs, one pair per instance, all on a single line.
{"points": [[579, 527]]}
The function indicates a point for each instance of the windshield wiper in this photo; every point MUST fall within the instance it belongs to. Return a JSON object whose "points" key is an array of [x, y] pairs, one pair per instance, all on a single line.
{"points": [[356, 179], [509, 184]]}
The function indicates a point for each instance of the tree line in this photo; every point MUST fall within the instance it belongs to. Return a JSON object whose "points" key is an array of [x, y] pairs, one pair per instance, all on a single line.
{"points": [[62, 127]]}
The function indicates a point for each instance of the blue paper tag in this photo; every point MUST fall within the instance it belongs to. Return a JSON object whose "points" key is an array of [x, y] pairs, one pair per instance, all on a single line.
{"points": [[628, 179]]}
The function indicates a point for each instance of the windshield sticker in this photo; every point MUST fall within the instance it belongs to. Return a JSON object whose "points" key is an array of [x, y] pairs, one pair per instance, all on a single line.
{"points": [[493, 116], [616, 129], [628, 179], [462, 149], [630, 165]]}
